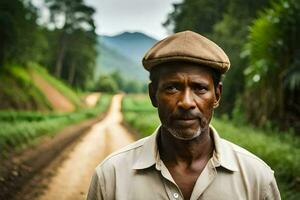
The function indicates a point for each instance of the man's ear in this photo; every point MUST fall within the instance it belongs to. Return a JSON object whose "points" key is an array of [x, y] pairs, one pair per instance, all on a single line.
{"points": [[152, 94], [218, 93]]}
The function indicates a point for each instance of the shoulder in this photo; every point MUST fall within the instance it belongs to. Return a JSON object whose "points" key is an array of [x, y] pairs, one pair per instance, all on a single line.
{"points": [[250, 164], [256, 173], [245, 154]]}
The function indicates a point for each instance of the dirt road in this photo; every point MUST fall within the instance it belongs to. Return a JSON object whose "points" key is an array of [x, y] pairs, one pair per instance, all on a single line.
{"points": [[58, 101], [72, 178], [92, 99]]}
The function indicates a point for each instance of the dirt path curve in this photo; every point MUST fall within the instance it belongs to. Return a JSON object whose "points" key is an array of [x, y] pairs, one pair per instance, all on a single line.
{"points": [[58, 101], [72, 178], [92, 99]]}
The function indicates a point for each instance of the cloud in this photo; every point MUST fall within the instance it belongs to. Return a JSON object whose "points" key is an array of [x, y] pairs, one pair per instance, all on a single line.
{"points": [[115, 16]]}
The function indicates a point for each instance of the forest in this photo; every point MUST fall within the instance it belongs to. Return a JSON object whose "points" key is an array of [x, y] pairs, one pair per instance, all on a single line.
{"points": [[261, 39], [63, 44], [48, 83]]}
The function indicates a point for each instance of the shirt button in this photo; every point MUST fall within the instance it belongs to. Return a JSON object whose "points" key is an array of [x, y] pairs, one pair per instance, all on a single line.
{"points": [[176, 195]]}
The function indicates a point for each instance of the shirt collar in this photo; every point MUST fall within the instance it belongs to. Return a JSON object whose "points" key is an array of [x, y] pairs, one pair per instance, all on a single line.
{"points": [[223, 154], [149, 152]]}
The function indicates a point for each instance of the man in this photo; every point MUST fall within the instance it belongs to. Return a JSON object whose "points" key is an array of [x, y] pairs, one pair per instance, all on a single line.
{"points": [[184, 158]]}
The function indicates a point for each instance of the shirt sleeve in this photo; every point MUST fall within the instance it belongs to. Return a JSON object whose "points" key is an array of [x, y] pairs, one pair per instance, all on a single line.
{"points": [[272, 192], [95, 190]]}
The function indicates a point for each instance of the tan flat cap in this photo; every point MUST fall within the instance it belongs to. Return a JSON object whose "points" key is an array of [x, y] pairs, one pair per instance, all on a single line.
{"points": [[187, 46]]}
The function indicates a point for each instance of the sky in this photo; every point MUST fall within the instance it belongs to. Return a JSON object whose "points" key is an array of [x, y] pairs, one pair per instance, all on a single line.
{"points": [[116, 16]]}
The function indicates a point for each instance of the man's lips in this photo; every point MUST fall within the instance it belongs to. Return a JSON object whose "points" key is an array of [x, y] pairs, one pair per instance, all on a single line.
{"points": [[185, 121]]}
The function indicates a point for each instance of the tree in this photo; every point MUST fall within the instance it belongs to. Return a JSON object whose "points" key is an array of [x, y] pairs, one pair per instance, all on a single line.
{"points": [[273, 76], [80, 59], [21, 39], [107, 84], [196, 15], [71, 15], [225, 22], [231, 34]]}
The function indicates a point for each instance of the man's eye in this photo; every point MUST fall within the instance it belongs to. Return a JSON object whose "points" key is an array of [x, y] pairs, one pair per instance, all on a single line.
{"points": [[171, 88], [200, 89]]}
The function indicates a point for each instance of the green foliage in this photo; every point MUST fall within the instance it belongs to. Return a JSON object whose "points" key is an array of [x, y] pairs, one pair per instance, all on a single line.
{"points": [[18, 91], [115, 82], [279, 150], [75, 41], [83, 55], [137, 103], [264, 78], [274, 70], [196, 15], [21, 39], [107, 84], [133, 86], [74, 14], [18, 129], [226, 23], [277, 49], [68, 51], [139, 107], [110, 60], [62, 87]]}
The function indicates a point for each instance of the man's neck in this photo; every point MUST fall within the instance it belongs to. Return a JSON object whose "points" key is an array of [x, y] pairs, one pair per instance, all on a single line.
{"points": [[174, 151]]}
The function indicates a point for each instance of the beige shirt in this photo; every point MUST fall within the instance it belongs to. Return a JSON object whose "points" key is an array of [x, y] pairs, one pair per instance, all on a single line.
{"points": [[136, 172]]}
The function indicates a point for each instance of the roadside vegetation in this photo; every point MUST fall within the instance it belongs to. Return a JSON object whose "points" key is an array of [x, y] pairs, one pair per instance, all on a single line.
{"points": [[18, 91], [279, 150], [116, 82], [22, 128], [61, 86]]}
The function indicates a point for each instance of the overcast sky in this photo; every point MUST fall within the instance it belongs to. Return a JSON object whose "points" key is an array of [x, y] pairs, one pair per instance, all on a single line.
{"points": [[116, 16]]}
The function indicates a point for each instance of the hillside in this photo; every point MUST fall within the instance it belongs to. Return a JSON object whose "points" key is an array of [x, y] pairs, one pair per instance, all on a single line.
{"points": [[124, 53], [32, 88], [111, 60]]}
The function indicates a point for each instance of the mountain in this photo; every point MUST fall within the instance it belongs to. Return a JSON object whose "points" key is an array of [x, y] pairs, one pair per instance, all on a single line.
{"points": [[123, 53]]}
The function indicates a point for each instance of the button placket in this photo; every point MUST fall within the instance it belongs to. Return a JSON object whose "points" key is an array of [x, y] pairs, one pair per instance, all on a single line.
{"points": [[172, 190], [171, 187]]}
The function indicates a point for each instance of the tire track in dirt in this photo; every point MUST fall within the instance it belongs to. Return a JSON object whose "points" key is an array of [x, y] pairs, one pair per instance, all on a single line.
{"points": [[72, 178]]}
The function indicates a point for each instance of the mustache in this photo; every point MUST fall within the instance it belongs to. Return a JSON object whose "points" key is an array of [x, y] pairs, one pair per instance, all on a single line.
{"points": [[187, 114]]}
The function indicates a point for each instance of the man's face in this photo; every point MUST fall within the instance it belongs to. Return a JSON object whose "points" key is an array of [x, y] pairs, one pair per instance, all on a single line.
{"points": [[185, 98]]}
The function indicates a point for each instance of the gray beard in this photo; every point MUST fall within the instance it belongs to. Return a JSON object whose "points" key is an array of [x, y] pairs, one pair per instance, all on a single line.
{"points": [[177, 133]]}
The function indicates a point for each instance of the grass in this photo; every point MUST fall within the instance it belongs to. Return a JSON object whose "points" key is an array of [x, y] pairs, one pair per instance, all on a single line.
{"points": [[17, 90], [138, 107], [58, 84], [18, 129], [279, 150]]}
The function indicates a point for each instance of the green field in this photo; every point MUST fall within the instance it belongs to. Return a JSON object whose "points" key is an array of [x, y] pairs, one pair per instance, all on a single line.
{"points": [[19, 129], [278, 149]]}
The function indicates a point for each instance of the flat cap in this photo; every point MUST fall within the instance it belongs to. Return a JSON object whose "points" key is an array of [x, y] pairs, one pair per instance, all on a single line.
{"points": [[190, 47]]}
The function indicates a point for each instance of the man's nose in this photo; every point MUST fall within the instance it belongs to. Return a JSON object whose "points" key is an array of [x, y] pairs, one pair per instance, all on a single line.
{"points": [[186, 101]]}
